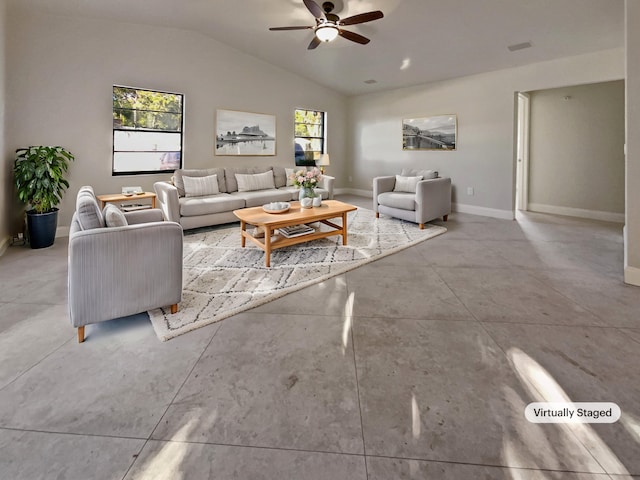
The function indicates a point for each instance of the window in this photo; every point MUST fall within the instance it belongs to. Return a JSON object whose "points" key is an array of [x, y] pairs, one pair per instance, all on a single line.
{"points": [[309, 136], [147, 131]]}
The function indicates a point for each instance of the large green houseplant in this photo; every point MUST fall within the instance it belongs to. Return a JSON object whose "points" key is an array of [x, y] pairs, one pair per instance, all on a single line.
{"points": [[39, 174]]}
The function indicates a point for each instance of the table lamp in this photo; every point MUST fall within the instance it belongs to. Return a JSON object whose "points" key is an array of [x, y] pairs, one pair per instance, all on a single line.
{"points": [[323, 162]]}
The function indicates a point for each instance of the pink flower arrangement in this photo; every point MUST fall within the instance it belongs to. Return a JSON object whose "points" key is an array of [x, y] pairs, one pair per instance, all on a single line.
{"points": [[306, 178]]}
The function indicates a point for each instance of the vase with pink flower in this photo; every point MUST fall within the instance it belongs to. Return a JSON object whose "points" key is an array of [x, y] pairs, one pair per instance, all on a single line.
{"points": [[306, 181]]}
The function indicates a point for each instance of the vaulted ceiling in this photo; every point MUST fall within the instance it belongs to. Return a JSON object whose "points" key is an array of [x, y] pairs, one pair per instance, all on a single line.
{"points": [[417, 41]]}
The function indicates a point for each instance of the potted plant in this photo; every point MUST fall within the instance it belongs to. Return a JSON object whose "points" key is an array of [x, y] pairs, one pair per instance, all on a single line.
{"points": [[39, 174]]}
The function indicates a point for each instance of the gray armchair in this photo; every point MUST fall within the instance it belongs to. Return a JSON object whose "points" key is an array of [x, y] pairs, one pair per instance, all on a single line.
{"points": [[115, 271], [430, 200]]}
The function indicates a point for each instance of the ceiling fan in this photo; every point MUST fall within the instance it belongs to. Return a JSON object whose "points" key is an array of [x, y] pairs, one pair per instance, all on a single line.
{"points": [[328, 24]]}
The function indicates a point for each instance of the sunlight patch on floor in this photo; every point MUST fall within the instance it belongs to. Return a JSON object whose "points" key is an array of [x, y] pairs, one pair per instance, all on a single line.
{"points": [[542, 387], [346, 327]]}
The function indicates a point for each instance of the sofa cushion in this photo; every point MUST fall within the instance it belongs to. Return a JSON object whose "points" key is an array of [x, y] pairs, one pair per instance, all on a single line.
{"points": [[401, 200], [289, 172], [179, 183], [200, 186], [279, 176], [230, 175], [426, 174], [261, 197], [88, 212], [113, 216], [406, 184], [248, 182], [223, 202]]}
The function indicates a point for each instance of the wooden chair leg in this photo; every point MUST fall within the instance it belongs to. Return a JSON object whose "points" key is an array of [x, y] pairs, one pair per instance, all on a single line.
{"points": [[174, 308], [377, 214], [81, 334], [445, 218], [422, 226]]}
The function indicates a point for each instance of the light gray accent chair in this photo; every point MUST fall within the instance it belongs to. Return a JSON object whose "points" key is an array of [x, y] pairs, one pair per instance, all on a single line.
{"points": [[122, 270], [431, 200], [203, 211]]}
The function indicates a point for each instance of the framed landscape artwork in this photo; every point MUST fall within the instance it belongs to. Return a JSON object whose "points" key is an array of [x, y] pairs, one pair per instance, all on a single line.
{"points": [[430, 133], [245, 133]]}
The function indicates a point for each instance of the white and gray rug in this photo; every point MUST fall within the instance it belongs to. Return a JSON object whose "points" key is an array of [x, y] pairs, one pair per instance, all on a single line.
{"points": [[222, 279]]}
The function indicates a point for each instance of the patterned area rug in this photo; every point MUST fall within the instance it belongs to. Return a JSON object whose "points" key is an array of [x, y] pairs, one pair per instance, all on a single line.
{"points": [[222, 279]]}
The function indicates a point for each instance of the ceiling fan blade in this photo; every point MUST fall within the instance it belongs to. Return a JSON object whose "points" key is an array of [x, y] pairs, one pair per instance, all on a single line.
{"points": [[314, 43], [354, 37], [314, 8], [362, 18], [289, 28]]}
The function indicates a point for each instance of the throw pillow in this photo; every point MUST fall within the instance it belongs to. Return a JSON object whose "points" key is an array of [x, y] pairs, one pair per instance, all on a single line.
{"points": [[179, 184], [257, 181], [200, 186], [289, 172], [230, 175], [406, 184], [113, 216]]}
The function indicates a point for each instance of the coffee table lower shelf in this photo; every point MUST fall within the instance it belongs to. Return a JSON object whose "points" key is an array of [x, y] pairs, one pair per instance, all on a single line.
{"points": [[270, 223], [272, 242]]}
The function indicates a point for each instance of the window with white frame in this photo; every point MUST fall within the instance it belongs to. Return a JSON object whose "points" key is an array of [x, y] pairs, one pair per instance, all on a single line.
{"points": [[147, 131], [309, 136]]}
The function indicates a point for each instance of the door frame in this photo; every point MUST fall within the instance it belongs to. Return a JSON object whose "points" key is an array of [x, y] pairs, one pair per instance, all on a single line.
{"points": [[522, 152]]}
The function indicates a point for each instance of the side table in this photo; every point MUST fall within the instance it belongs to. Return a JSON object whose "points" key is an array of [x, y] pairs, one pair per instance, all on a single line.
{"points": [[120, 197]]}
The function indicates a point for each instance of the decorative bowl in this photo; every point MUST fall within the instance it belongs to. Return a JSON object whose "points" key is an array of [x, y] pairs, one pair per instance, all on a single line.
{"points": [[276, 207]]}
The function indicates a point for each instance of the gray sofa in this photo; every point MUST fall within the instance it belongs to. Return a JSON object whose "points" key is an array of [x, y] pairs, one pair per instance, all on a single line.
{"points": [[215, 209], [431, 198], [116, 271]]}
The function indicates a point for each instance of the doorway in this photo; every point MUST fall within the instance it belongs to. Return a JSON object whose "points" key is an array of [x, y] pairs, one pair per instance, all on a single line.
{"points": [[522, 152]]}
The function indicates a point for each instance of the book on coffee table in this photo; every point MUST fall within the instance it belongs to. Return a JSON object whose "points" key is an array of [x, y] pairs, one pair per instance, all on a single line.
{"points": [[295, 230]]}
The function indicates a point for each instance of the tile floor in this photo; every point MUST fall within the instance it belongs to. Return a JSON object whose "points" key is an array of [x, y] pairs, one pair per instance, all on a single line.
{"points": [[417, 366]]}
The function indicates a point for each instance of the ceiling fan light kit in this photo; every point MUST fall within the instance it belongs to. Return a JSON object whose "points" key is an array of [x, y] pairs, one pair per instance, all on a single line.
{"points": [[326, 32], [328, 24]]}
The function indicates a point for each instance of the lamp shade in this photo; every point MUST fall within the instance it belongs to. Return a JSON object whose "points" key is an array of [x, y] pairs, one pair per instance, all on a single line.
{"points": [[324, 160], [326, 33]]}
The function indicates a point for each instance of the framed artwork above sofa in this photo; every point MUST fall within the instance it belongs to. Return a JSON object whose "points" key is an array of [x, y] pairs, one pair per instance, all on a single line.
{"points": [[245, 133]]}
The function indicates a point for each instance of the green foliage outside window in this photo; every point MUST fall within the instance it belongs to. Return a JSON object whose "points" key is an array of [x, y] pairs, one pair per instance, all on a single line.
{"points": [[309, 131], [146, 110]]}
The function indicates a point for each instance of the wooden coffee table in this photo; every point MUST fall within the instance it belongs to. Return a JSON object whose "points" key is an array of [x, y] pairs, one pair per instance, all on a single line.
{"points": [[296, 215]]}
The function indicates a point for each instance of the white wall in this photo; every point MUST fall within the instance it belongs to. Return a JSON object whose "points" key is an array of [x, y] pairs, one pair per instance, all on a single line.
{"points": [[60, 84], [576, 162], [6, 175], [485, 105], [632, 224]]}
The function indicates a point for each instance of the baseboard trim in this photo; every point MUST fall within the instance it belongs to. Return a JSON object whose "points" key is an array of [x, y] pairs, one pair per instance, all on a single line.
{"points": [[4, 244], [632, 275], [62, 232], [577, 212], [483, 211], [353, 191]]}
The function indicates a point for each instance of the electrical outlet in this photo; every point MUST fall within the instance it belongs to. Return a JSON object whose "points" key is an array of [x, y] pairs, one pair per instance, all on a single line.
{"points": [[470, 191], [350, 179]]}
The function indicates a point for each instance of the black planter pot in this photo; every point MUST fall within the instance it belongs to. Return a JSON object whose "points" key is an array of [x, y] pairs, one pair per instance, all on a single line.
{"points": [[42, 228]]}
